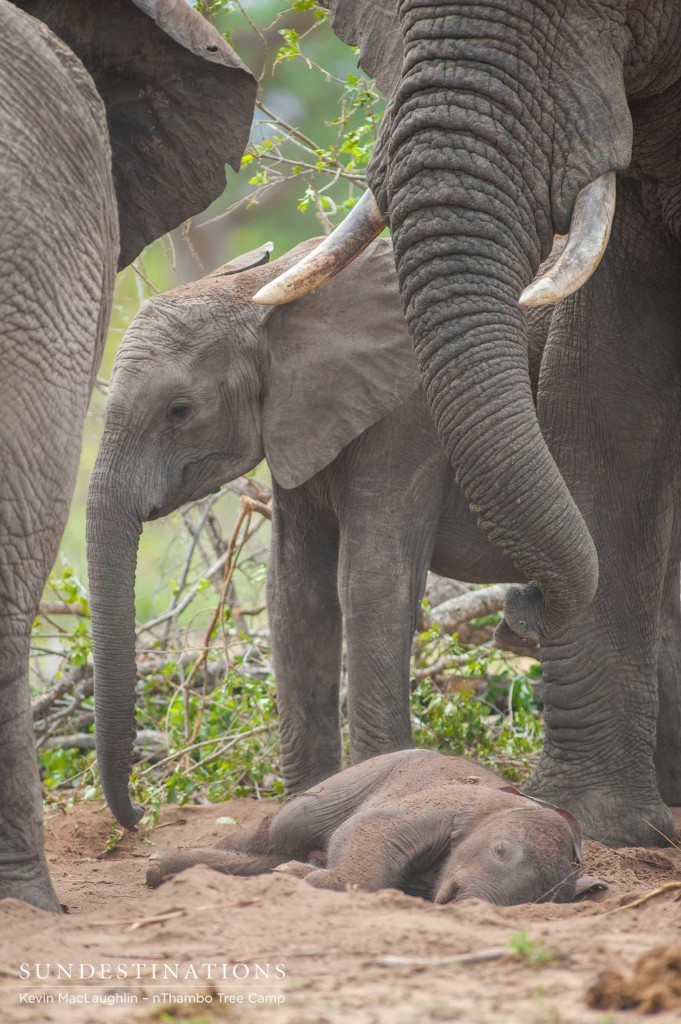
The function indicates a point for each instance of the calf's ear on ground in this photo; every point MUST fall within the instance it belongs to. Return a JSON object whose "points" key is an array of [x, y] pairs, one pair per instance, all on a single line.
{"points": [[589, 888]]}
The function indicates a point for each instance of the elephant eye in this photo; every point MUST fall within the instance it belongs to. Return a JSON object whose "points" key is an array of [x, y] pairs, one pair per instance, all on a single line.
{"points": [[500, 851], [179, 411]]}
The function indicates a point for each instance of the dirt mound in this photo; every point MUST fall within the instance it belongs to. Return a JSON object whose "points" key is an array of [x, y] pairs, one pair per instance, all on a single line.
{"points": [[208, 947], [654, 985]]}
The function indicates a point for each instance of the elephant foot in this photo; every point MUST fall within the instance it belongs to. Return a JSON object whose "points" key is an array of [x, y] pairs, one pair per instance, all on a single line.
{"points": [[297, 868], [168, 861], [161, 865], [615, 816], [668, 771], [322, 878], [27, 880]]}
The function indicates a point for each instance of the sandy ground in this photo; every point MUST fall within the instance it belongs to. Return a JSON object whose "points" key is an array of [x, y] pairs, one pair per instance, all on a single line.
{"points": [[279, 950]]}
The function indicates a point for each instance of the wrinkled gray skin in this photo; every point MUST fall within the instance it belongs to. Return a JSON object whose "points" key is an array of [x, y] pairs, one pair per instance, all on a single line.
{"points": [[59, 247], [204, 386], [500, 113], [364, 498], [444, 828]]}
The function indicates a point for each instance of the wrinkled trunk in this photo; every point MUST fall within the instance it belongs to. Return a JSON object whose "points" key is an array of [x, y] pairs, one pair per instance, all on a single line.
{"points": [[471, 348], [113, 531], [465, 176]]}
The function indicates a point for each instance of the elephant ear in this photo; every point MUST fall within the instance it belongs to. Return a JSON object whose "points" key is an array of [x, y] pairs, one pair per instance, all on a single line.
{"points": [[569, 818], [246, 261], [374, 26], [179, 105], [340, 360], [589, 888]]}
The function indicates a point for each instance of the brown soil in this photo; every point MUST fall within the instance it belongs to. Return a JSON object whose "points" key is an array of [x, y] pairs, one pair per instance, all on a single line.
{"points": [[340, 953]]}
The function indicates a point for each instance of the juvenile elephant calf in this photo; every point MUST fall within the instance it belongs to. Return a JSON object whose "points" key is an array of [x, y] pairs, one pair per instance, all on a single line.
{"points": [[440, 827], [205, 385]]}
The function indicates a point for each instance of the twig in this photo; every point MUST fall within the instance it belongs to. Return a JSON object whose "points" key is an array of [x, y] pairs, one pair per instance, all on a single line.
{"points": [[42, 704], [140, 273], [204, 743], [484, 956], [252, 505], [86, 741], [135, 923], [187, 600], [61, 608], [660, 833], [667, 887]]}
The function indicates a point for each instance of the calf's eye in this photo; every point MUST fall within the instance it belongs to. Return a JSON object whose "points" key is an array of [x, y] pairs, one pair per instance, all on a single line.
{"points": [[180, 410], [500, 850]]}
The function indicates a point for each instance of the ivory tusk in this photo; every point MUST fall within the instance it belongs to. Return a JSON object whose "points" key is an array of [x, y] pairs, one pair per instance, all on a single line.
{"points": [[364, 223], [586, 244]]}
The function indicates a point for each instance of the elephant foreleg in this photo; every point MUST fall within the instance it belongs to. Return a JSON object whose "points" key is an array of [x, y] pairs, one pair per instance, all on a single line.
{"points": [[375, 850], [389, 521], [609, 404], [668, 744], [305, 627], [167, 862]]}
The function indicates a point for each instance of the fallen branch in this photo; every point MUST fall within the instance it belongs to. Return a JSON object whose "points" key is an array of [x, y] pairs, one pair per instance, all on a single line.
{"points": [[44, 702], [472, 605], [86, 741]]}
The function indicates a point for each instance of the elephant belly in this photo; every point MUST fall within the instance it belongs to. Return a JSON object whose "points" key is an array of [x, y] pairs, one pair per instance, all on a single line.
{"points": [[462, 550]]}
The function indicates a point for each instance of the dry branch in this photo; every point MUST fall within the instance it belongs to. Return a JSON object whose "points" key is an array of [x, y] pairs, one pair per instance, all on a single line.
{"points": [[61, 608], [42, 704], [86, 741], [474, 604], [484, 956]]}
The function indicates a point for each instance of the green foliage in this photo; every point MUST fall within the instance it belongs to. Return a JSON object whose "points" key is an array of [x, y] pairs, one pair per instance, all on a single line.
{"points": [[63, 769], [487, 710], [233, 735], [532, 951]]}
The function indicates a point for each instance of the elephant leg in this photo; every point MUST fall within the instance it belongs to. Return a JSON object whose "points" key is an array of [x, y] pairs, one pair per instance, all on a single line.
{"points": [[58, 248], [609, 405], [167, 862], [668, 744], [37, 475], [374, 850], [306, 632], [389, 522]]}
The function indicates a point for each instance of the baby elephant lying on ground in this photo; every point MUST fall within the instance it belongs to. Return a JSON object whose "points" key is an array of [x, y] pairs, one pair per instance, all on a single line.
{"points": [[440, 827]]}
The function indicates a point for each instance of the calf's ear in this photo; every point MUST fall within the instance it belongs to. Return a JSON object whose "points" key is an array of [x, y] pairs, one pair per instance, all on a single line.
{"points": [[589, 888], [570, 818], [178, 100], [246, 261], [340, 359]]}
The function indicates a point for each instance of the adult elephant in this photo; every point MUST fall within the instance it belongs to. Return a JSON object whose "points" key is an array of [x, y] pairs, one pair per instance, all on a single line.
{"points": [[149, 91], [507, 123]]}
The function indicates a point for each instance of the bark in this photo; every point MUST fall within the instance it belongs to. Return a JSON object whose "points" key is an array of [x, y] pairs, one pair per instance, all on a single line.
{"points": [[452, 614]]}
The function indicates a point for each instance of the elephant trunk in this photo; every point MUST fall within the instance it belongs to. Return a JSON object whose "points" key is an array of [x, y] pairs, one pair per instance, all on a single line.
{"points": [[470, 226], [113, 531]]}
